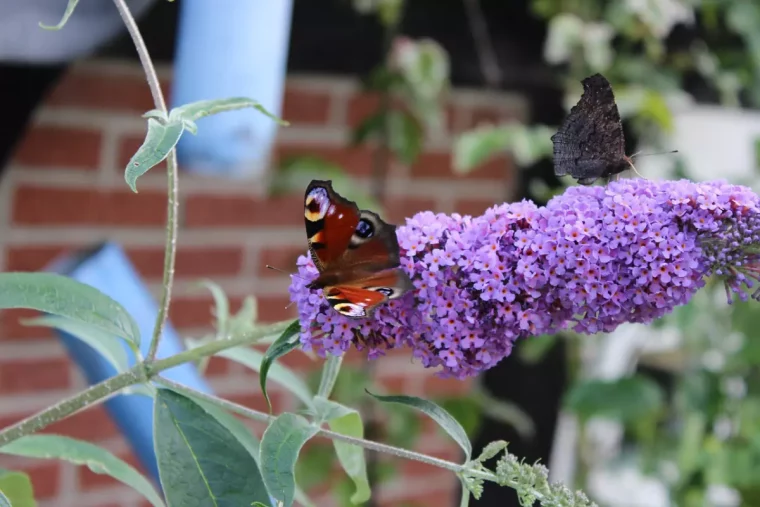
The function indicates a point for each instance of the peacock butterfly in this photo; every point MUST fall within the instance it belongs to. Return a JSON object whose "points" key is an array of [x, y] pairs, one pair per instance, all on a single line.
{"points": [[355, 251], [590, 143]]}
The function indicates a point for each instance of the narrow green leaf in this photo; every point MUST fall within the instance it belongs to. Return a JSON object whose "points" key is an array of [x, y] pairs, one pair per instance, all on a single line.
{"points": [[4, 502], [17, 488], [439, 415], [491, 450], [159, 141], [465, 500], [221, 306], [626, 399], [347, 421], [283, 375], [61, 295], [406, 136], [66, 15], [106, 344], [79, 452], [288, 340], [330, 372], [280, 446], [244, 321], [158, 114], [197, 110], [369, 128], [200, 461]]}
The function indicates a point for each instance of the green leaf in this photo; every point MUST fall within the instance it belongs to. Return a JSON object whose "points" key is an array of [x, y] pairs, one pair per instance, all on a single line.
{"points": [[66, 15], [245, 319], [491, 450], [17, 488], [202, 108], [61, 295], [330, 372], [283, 375], [439, 415], [476, 146], [200, 461], [625, 399], [106, 344], [280, 446], [370, 127], [221, 306], [347, 421], [159, 141], [79, 452], [288, 340], [406, 136]]}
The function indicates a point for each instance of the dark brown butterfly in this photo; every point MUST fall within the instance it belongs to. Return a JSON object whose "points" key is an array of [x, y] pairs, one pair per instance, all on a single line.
{"points": [[590, 143], [355, 251]]}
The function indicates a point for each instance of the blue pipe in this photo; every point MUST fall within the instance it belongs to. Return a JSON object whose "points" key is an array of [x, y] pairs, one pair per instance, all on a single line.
{"points": [[231, 48]]}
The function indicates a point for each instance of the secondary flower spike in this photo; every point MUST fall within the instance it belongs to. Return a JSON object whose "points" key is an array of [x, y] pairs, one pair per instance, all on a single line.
{"points": [[590, 260]]}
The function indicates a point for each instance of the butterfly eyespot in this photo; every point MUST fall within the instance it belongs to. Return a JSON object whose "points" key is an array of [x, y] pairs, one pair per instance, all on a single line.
{"points": [[385, 290], [365, 229]]}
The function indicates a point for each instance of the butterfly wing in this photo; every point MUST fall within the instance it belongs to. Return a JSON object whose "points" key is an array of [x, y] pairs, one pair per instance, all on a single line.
{"points": [[330, 221], [590, 143], [359, 298]]}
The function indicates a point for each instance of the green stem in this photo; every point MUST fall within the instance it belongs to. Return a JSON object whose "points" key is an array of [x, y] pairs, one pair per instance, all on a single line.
{"points": [[138, 374], [366, 444], [330, 372], [170, 250]]}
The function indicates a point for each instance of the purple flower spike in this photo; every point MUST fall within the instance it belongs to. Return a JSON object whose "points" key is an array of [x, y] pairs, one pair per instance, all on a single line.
{"points": [[592, 259]]}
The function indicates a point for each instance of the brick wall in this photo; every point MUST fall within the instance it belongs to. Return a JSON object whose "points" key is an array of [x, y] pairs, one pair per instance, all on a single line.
{"points": [[64, 190]]}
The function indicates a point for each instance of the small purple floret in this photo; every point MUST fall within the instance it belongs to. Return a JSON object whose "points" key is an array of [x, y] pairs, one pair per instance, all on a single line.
{"points": [[590, 260]]}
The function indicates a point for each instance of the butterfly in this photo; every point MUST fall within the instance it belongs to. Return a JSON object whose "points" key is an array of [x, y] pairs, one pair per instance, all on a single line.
{"points": [[590, 143], [355, 251]]}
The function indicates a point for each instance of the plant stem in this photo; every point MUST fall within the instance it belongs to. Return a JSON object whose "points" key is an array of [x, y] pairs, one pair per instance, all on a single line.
{"points": [[71, 405], [170, 250], [366, 444], [139, 373]]}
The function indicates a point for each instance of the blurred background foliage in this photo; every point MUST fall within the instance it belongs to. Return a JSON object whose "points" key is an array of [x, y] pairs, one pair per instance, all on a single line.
{"points": [[679, 422]]}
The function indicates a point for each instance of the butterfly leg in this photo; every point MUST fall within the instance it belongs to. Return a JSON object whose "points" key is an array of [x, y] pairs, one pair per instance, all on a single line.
{"points": [[630, 163]]}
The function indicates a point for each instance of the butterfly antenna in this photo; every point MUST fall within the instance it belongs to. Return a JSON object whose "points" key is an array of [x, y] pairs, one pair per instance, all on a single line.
{"points": [[630, 163], [282, 271], [639, 154]]}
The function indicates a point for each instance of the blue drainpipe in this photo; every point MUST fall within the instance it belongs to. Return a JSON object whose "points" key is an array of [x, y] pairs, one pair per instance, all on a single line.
{"points": [[231, 48]]}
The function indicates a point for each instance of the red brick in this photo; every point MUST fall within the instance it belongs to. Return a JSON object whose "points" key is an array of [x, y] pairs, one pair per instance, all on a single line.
{"points": [[45, 477], [93, 424], [305, 106], [255, 399], [397, 210], [128, 146], [474, 207], [283, 258], [57, 206], [361, 106], [356, 161], [104, 91], [23, 376], [190, 262], [32, 258], [192, 312], [393, 384], [89, 480], [240, 211], [273, 308], [45, 146], [217, 367], [11, 328], [433, 164]]}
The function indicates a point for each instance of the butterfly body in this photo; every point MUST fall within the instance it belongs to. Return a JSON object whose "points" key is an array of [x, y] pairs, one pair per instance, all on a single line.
{"points": [[355, 252], [590, 143]]}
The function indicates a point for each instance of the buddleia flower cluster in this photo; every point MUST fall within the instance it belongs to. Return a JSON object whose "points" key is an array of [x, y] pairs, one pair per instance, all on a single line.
{"points": [[591, 259]]}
